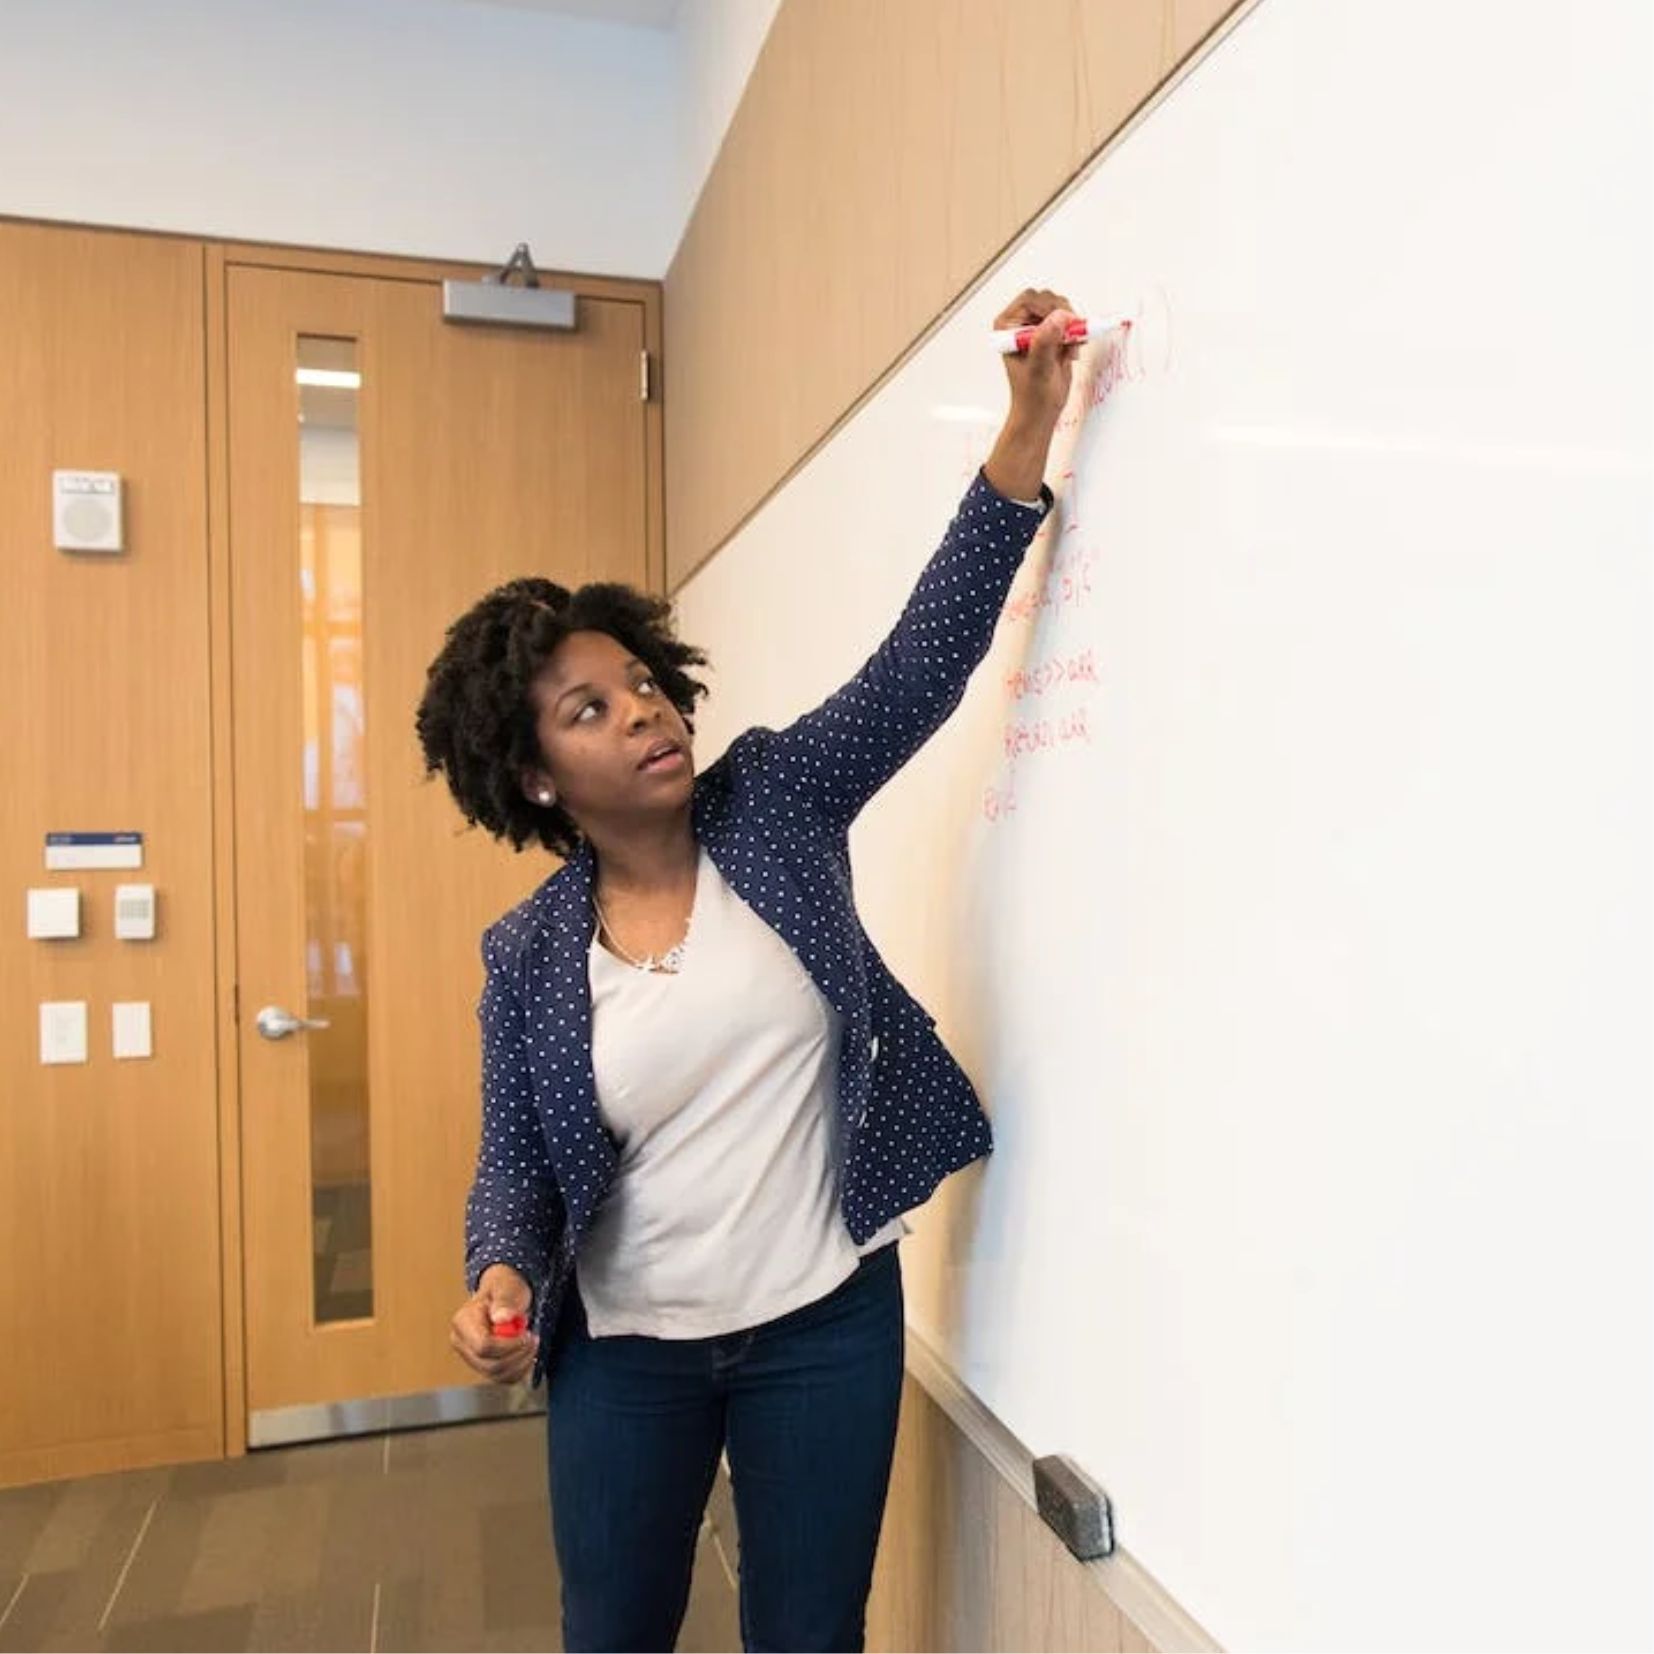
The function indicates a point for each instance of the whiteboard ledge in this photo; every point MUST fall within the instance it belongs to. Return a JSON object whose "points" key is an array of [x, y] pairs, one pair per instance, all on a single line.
{"points": [[1130, 1586]]}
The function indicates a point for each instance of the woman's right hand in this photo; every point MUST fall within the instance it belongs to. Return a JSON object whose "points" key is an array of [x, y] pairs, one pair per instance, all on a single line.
{"points": [[501, 1293], [1040, 380], [1040, 376]]}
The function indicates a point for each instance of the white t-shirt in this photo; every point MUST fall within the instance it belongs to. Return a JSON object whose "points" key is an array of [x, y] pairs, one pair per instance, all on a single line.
{"points": [[720, 1083]]}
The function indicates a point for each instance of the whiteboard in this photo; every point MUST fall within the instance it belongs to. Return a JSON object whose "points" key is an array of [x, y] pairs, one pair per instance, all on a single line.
{"points": [[1283, 880]]}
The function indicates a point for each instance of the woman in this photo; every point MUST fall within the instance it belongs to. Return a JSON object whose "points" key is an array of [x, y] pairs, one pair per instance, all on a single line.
{"points": [[706, 1101]]}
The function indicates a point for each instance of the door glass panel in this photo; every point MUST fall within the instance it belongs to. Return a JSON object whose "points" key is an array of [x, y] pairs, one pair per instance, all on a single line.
{"points": [[335, 826]]}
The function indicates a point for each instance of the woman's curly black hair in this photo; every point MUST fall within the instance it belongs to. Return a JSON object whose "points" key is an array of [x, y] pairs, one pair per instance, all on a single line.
{"points": [[476, 718]]}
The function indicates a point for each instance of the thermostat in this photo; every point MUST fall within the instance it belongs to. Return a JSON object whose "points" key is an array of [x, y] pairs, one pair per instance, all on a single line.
{"points": [[135, 912], [86, 510]]}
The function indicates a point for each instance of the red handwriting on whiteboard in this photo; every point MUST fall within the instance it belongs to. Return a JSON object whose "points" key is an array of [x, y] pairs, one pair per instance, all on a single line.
{"points": [[999, 801], [1048, 674], [1065, 584], [1119, 362], [1022, 738]]}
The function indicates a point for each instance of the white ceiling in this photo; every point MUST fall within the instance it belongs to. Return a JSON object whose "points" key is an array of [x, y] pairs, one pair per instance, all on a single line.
{"points": [[646, 14]]}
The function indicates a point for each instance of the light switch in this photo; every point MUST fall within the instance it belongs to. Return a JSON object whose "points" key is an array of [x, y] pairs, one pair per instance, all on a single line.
{"points": [[62, 1030], [135, 912], [131, 1028], [54, 912]]}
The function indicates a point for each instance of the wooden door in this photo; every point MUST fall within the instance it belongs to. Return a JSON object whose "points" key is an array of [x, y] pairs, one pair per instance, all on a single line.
{"points": [[464, 456]]}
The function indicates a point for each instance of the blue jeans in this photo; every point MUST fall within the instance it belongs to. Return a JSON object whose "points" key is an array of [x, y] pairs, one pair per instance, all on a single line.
{"points": [[807, 1406]]}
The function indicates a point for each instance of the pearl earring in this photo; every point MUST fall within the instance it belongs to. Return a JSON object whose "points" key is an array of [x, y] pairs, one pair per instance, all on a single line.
{"points": [[544, 796]]}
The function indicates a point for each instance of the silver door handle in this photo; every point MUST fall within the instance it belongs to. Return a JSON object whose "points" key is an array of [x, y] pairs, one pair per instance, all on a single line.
{"points": [[275, 1023]]}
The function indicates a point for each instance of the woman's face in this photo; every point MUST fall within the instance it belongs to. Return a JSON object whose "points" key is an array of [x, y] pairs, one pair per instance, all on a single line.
{"points": [[600, 716]]}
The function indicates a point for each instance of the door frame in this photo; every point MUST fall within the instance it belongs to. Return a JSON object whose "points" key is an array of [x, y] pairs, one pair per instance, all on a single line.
{"points": [[221, 257]]}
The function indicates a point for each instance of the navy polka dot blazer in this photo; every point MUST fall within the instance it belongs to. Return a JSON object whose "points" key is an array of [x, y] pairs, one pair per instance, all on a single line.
{"points": [[774, 814]]}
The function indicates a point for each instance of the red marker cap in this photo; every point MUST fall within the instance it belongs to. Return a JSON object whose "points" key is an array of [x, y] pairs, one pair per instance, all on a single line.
{"points": [[513, 1326]]}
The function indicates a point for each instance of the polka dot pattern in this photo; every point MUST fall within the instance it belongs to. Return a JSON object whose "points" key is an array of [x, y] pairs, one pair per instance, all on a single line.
{"points": [[774, 814]]}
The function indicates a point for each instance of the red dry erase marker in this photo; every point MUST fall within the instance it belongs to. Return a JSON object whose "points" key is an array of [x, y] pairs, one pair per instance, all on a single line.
{"points": [[1014, 341], [513, 1326]]}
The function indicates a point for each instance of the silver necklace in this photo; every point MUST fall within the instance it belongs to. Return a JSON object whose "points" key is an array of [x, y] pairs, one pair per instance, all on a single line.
{"points": [[670, 961]]}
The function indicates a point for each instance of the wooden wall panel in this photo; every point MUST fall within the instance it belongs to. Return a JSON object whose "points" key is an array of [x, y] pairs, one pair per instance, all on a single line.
{"points": [[965, 1564], [882, 156], [110, 1284]]}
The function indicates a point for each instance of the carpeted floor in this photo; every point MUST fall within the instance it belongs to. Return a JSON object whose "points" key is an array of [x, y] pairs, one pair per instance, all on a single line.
{"points": [[428, 1539]]}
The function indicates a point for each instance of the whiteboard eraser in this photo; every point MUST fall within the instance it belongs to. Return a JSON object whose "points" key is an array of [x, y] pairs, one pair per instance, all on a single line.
{"points": [[1073, 1507]]}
